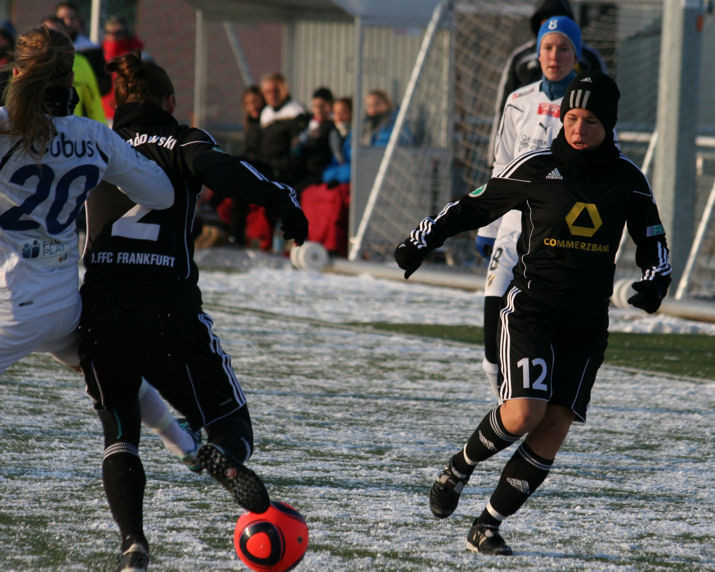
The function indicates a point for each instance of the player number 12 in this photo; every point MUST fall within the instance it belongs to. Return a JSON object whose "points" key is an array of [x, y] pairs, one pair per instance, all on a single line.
{"points": [[539, 382]]}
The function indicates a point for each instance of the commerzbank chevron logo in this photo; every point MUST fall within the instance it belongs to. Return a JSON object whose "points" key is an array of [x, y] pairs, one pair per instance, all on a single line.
{"points": [[579, 212]]}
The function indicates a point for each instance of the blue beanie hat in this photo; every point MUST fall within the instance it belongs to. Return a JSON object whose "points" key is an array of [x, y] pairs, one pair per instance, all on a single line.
{"points": [[563, 25]]}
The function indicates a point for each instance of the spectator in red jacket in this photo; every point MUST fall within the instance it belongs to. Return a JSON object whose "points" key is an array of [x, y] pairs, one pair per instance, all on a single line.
{"points": [[118, 40]]}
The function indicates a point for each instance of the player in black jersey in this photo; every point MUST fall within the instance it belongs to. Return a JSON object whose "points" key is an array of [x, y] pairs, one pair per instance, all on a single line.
{"points": [[142, 311], [575, 199]]}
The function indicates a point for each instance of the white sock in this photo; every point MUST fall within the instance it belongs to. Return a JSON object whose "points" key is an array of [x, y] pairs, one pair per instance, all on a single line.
{"points": [[156, 415], [492, 372]]}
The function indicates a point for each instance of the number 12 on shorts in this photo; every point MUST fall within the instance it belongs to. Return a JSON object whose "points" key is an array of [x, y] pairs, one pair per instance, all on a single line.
{"points": [[540, 368]]}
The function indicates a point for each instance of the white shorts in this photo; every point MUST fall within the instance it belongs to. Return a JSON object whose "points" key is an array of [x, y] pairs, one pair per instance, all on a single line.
{"points": [[54, 333], [501, 263]]}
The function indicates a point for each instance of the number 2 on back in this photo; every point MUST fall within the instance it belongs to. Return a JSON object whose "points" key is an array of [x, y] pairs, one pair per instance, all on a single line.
{"points": [[539, 383], [130, 225]]}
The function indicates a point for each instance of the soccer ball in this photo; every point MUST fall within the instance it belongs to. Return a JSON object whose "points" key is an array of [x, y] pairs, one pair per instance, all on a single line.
{"points": [[273, 541]]}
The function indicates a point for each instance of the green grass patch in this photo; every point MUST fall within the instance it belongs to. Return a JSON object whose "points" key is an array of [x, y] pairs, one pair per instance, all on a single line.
{"points": [[691, 355]]}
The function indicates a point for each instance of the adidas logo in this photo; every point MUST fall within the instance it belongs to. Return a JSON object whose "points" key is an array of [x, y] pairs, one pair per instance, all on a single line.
{"points": [[587, 79], [554, 175], [486, 442], [520, 485]]}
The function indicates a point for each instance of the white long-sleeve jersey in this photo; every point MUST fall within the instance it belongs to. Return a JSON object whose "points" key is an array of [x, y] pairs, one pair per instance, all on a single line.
{"points": [[530, 121], [39, 202]]}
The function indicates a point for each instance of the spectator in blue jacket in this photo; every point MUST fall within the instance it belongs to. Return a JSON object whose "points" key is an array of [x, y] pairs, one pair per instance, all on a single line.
{"points": [[340, 139], [380, 117]]}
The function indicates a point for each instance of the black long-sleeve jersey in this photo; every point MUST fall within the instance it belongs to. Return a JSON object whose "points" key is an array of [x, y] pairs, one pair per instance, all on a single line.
{"points": [[571, 227], [140, 250]]}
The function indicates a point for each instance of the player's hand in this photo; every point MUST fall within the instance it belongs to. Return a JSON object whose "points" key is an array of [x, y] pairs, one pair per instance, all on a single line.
{"points": [[294, 225], [409, 257], [650, 293], [485, 246]]}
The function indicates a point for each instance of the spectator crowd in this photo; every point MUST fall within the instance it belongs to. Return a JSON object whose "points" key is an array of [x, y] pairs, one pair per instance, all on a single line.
{"points": [[310, 150]]}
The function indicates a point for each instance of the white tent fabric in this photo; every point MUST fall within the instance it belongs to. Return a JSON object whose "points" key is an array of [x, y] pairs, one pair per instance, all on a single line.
{"points": [[401, 13], [397, 13], [247, 11]]}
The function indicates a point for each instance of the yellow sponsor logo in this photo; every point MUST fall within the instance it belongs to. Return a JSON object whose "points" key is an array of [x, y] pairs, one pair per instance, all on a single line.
{"points": [[577, 245], [592, 213]]}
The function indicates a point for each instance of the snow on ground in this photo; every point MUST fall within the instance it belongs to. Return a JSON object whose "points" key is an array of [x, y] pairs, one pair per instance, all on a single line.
{"points": [[352, 426], [339, 298]]}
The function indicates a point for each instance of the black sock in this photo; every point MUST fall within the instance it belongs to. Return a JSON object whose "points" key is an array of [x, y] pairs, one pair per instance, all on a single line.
{"points": [[492, 307], [521, 476], [488, 438], [124, 481]]}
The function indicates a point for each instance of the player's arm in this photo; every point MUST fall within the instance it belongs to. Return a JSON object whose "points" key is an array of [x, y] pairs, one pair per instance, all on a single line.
{"points": [[652, 256], [474, 210], [231, 177]]}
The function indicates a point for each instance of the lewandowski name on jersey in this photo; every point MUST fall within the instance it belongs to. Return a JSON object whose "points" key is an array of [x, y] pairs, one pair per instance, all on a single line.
{"points": [[146, 258], [167, 142]]}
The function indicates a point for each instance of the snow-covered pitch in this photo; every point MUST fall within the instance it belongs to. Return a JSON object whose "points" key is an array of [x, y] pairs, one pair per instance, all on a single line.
{"points": [[352, 426]]}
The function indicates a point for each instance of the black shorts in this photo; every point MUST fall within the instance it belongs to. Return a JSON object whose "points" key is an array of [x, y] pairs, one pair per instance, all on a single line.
{"points": [[549, 354], [175, 350]]}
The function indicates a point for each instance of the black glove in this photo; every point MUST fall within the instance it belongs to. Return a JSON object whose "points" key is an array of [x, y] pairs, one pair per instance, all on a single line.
{"points": [[294, 225], [485, 246], [650, 293], [409, 257]]}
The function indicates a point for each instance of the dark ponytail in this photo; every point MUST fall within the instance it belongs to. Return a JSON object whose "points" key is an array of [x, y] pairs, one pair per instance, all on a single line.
{"points": [[138, 80]]}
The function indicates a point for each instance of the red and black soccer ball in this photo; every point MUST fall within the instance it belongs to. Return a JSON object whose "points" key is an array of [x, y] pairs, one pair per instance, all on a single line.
{"points": [[273, 541]]}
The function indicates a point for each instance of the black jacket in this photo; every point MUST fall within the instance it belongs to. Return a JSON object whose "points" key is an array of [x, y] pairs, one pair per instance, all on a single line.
{"points": [[572, 222], [136, 249], [275, 144]]}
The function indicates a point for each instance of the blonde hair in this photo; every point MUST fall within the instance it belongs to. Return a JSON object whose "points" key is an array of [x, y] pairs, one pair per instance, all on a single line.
{"points": [[43, 59], [382, 96]]}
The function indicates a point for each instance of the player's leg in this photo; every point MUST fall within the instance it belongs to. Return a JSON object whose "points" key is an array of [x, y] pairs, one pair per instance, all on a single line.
{"points": [[577, 347], [63, 344], [488, 438], [526, 356], [499, 276], [52, 332], [229, 445], [522, 475], [182, 441], [122, 470], [111, 355], [204, 388], [498, 429], [59, 338]]}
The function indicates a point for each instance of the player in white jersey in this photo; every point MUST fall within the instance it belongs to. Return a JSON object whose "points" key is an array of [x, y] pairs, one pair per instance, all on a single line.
{"points": [[50, 160], [530, 121]]}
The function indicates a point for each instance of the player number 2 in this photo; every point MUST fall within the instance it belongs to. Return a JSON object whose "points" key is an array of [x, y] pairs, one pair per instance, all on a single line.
{"points": [[130, 225], [539, 382]]}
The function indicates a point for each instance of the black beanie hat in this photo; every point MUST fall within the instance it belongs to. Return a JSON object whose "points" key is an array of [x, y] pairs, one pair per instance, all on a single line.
{"points": [[595, 91]]}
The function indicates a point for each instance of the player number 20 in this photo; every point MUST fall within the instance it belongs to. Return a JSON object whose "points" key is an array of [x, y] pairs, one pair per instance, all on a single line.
{"points": [[538, 383]]}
